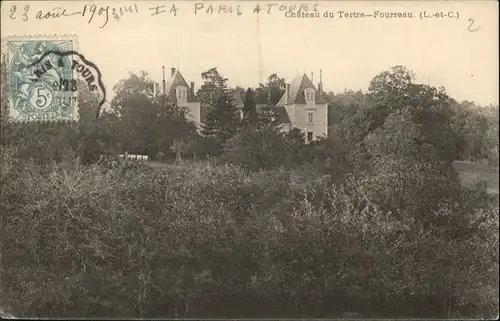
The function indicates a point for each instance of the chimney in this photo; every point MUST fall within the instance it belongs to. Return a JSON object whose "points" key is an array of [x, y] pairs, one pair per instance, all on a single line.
{"points": [[192, 87], [172, 71], [287, 91], [163, 82], [312, 77], [154, 89], [320, 85]]}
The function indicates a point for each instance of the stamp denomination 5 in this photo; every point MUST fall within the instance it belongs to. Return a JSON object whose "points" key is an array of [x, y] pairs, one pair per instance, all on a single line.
{"points": [[32, 75], [43, 78]]}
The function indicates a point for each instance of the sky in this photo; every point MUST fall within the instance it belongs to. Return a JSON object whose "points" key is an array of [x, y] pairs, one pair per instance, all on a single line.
{"points": [[249, 47]]}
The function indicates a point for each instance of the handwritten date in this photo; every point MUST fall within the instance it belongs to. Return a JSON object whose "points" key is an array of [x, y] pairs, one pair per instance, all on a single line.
{"points": [[89, 11]]}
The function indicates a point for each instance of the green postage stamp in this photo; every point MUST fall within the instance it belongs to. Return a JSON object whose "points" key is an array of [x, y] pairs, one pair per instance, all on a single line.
{"points": [[41, 85]]}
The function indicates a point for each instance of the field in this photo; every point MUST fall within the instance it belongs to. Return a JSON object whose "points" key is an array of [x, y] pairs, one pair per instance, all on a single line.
{"points": [[470, 173]]}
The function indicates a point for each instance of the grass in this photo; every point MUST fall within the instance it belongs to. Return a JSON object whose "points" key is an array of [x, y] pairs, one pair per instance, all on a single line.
{"points": [[471, 172]]}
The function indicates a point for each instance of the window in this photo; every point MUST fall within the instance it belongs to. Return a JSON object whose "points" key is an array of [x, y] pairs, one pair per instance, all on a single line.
{"points": [[309, 136], [310, 118], [309, 96]]}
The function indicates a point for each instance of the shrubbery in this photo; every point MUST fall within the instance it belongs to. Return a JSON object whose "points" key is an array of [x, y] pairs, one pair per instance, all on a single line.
{"points": [[209, 241]]}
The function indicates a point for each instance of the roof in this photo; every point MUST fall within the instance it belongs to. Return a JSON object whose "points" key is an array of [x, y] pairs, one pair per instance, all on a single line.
{"points": [[238, 98], [282, 115], [175, 81], [296, 92]]}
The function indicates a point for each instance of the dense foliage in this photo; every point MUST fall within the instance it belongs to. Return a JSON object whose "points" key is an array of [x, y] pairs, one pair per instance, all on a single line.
{"points": [[206, 241], [371, 220], [223, 119]]}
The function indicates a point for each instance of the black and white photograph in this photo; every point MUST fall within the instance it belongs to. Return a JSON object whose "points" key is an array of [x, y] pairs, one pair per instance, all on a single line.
{"points": [[249, 160]]}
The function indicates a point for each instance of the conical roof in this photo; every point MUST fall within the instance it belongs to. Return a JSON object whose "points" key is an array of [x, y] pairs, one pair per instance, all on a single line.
{"points": [[296, 92]]}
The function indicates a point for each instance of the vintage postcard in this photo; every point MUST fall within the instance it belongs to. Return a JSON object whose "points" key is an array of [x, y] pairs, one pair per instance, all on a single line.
{"points": [[249, 159]]}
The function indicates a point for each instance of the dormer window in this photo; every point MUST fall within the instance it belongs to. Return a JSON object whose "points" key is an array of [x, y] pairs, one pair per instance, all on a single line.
{"points": [[309, 95], [181, 93]]}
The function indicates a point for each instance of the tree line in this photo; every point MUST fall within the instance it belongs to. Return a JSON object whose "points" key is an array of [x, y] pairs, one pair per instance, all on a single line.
{"points": [[141, 123]]}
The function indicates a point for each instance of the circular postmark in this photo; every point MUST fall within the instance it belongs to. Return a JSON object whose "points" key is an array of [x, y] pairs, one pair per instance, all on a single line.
{"points": [[44, 79]]}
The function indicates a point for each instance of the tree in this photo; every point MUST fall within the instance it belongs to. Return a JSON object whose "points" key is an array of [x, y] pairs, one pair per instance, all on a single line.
{"points": [[222, 122], [403, 129], [132, 87], [148, 124], [181, 148], [214, 86], [133, 103], [345, 104], [94, 137], [478, 128], [330, 156], [296, 148], [223, 119], [394, 90], [492, 113], [391, 86], [256, 149], [249, 108], [271, 92], [267, 97]]}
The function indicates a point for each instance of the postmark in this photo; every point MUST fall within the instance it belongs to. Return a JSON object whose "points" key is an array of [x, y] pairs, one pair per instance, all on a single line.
{"points": [[45, 75], [86, 75]]}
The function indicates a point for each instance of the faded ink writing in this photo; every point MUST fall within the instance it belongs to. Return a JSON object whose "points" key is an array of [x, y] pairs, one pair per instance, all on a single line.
{"points": [[105, 13]]}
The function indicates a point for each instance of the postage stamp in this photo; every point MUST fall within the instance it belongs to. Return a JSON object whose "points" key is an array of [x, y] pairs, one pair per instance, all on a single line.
{"points": [[44, 77], [34, 85]]}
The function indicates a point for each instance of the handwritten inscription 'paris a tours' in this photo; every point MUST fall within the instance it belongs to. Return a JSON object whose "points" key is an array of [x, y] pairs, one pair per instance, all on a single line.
{"points": [[103, 14]]}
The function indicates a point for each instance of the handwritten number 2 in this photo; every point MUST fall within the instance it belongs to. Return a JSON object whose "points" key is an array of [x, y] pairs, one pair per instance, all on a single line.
{"points": [[471, 22], [12, 11]]}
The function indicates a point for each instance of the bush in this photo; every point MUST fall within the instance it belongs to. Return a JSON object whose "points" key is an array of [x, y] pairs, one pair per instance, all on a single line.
{"points": [[265, 147], [215, 241]]}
